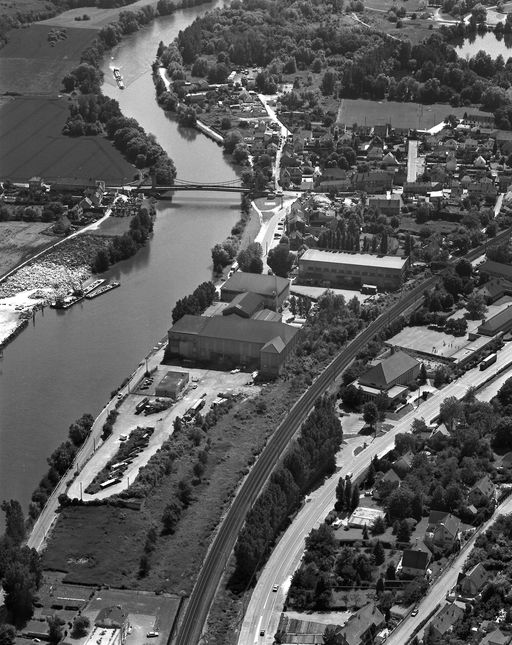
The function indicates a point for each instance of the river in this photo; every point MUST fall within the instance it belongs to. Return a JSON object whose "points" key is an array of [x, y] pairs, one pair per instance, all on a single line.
{"points": [[488, 43], [67, 363]]}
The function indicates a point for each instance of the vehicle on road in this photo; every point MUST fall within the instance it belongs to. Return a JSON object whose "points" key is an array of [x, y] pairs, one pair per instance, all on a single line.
{"points": [[275, 587], [489, 360], [235, 371], [414, 612], [153, 634], [262, 632]]}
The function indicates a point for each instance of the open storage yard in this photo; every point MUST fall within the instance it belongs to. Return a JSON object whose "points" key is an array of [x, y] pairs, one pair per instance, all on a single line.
{"points": [[36, 58], [31, 143]]}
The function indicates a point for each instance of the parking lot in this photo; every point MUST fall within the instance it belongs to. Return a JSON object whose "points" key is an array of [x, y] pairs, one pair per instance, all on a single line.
{"points": [[204, 383]]}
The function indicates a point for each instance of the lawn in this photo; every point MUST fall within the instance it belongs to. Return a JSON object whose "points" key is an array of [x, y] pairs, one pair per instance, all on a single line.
{"points": [[19, 240], [31, 144], [403, 115], [30, 63]]}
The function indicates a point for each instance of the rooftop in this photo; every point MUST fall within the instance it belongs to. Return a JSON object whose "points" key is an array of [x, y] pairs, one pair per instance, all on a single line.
{"points": [[354, 259], [389, 370], [266, 285], [493, 325], [235, 328]]}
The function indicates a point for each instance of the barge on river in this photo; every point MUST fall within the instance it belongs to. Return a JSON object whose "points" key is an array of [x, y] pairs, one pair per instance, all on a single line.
{"points": [[106, 287], [118, 77]]}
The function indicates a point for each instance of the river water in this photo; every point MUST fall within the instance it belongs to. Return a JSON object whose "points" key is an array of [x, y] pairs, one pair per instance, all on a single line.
{"points": [[488, 43], [68, 362]]}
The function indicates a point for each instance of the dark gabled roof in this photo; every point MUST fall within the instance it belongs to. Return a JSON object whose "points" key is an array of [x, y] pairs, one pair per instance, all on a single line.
{"points": [[496, 268], [234, 328], [359, 622], [497, 637], [391, 476], [264, 285], [484, 486], [478, 575], [388, 370], [415, 559], [447, 617], [244, 304], [494, 324]]}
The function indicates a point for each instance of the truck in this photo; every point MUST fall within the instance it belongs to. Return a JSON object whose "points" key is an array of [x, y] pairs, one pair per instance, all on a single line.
{"points": [[369, 289], [489, 360], [141, 405], [196, 406]]}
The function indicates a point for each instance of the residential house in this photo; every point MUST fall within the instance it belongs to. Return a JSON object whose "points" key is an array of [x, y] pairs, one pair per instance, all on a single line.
{"points": [[483, 491], [387, 482], [390, 206], [445, 620], [421, 187], [480, 162], [381, 130], [398, 369], [443, 531], [373, 181], [496, 637], [486, 120], [472, 582], [414, 562], [403, 464], [441, 433], [484, 187], [389, 159], [375, 153], [362, 627]]}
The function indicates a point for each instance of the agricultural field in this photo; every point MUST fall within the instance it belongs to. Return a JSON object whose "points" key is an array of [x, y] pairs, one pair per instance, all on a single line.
{"points": [[403, 115], [36, 58], [20, 240], [31, 144], [97, 18]]}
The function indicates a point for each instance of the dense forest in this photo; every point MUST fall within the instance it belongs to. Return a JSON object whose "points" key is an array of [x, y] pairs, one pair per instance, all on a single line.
{"points": [[294, 37]]}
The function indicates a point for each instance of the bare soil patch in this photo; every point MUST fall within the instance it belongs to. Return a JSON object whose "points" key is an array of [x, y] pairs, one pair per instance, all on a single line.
{"points": [[31, 143]]}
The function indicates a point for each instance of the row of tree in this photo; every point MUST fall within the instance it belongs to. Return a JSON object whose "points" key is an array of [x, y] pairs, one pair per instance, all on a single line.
{"points": [[310, 457]]}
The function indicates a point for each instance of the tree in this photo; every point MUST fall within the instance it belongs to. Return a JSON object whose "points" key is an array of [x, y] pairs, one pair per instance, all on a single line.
{"points": [[422, 377], [502, 435], [280, 259], [378, 526], [352, 397], [81, 625], [404, 531], [14, 521], [354, 499], [464, 268], [55, 632], [19, 593], [185, 492], [332, 636], [171, 516], [7, 634], [340, 494], [391, 571], [370, 414], [476, 306], [451, 410], [101, 262], [378, 553]]}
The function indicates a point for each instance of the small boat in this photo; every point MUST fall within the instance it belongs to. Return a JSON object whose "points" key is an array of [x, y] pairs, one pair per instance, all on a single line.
{"points": [[106, 287], [66, 302]]}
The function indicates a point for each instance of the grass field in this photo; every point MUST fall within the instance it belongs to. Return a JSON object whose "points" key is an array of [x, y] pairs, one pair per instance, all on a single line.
{"points": [[19, 240], [403, 115], [98, 17], [29, 64], [31, 144]]}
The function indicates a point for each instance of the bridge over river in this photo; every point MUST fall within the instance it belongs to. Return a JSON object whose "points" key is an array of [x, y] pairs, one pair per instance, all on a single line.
{"points": [[233, 186]]}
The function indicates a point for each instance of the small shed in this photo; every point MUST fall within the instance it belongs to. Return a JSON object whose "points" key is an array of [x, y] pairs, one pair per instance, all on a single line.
{"points": [[172, 384]]}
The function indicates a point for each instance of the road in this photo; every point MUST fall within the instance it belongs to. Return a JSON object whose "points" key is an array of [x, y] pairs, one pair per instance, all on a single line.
{"points": [[448, 579], [48, 515], [288, 552]]}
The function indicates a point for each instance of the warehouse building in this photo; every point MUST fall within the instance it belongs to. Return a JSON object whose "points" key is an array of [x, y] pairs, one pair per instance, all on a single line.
{"points": [[501, 322], [391, 376], [172, 384], [272, 289], [352, 270], [229, 341]]}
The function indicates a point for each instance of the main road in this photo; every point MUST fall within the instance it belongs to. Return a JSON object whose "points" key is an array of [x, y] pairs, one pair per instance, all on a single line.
{"points": [[265, 606]]}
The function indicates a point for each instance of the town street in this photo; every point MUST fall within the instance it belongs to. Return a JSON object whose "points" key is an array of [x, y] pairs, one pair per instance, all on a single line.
{"points": [[265, 606], [448, 579]]}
